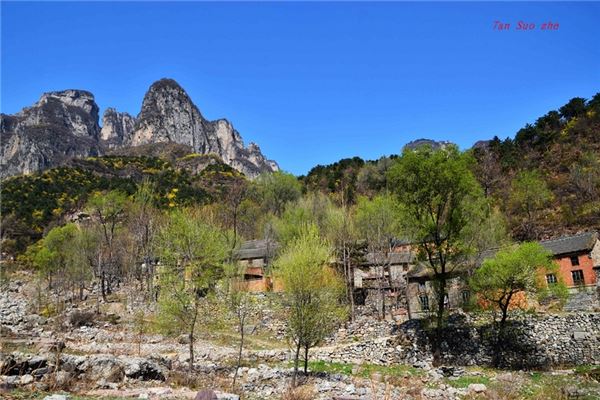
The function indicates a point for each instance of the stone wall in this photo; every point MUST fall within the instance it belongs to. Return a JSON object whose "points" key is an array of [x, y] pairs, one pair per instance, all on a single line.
{"points": [[530, 342]]}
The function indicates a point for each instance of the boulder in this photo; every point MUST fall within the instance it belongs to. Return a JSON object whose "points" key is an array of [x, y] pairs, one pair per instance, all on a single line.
{"points": [[57, 397], [477, 387]]}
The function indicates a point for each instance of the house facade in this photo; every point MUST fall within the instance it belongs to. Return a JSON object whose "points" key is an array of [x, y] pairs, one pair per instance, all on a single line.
{"points": [[422, 292], [381, 278], [578, 258], [254, 256]]}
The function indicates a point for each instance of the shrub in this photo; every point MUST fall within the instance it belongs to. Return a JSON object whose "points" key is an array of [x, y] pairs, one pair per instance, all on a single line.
{"points": [[82, 318]]}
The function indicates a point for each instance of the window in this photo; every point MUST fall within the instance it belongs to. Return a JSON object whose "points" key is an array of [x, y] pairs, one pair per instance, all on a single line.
{"points": [[421, 286], [466, 296], [424, 300], [577, 277], [550, 279], [574, 261], [405, 267]]}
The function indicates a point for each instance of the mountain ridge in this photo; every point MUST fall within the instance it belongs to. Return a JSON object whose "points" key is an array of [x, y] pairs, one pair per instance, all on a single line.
{"points": [[65, 124]]}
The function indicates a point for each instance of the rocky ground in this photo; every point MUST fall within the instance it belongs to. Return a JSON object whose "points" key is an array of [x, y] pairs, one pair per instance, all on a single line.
{"points": [[105, 358]]}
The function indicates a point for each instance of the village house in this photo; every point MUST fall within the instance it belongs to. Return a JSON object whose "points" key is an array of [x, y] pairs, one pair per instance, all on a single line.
{"points": [[383, 276], [578, 257], [254, 256], [421, 291]]}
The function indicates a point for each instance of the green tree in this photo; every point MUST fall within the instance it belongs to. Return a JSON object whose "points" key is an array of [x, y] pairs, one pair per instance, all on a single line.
{"points": [[340, 229], [107, 211], [576, 107], [192, 254], [378, 223], [312, 293], [312, 208], [437, 191], [52, 254], [241, 304], [275, 190], [529, 196], [519, 268]]}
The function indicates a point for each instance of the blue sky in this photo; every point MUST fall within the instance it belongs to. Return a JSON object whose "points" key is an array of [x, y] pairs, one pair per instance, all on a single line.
{"points": [[313, 82]]}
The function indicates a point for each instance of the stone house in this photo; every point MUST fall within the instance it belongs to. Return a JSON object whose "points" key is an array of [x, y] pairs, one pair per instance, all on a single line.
{"points": [[383, 276], [421, 291], [578, 257], [254, 256]]}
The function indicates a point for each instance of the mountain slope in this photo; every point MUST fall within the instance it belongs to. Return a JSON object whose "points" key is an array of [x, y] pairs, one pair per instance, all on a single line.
{"points": [[64, 125]]}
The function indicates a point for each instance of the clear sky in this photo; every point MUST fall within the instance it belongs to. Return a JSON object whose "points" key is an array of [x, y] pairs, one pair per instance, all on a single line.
{"points": [[314, 82]]}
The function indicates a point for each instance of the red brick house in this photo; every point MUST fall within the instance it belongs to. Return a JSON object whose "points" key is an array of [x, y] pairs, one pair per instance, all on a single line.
{"points": [[578, 257]]}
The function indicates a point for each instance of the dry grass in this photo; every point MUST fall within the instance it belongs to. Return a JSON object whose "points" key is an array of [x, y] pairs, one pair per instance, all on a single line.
{"points": [[305, 392]]}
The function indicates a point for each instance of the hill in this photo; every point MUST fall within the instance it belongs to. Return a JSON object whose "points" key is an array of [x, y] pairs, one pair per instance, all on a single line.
{"points": [[31, 203]]}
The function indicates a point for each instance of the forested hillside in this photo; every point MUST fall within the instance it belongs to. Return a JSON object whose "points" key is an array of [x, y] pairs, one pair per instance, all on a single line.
{"points": [[32, 203], [545, 180]]}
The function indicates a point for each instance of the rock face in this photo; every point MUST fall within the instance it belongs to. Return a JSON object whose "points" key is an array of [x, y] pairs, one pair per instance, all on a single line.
{"points": [[64, 125], [422, 142], [117, 128], [60, 126], [169, 115]]}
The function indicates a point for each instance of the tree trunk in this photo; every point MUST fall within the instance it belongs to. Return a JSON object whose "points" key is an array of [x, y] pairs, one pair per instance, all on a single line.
{"points": [[296, 361], [102, 288], [191, 337], [437, 354], [305, 359], [350, 282], [239, 360]]}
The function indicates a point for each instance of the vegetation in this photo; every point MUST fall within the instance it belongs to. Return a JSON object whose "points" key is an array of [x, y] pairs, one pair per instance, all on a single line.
{"points": [[313, 293], [192, 254], [514, 270], [172, 228], [438, 193]]}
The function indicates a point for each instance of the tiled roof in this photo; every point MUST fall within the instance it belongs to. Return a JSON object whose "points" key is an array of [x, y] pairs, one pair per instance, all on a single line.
{"points": [[403, 257], [423, 270], [582, 242], [571, 244], [253, 249]]}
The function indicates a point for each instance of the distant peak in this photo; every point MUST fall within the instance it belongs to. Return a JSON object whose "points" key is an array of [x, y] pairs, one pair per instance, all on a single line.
{"points": [[69, 96], [427, 142], [165, 83]]}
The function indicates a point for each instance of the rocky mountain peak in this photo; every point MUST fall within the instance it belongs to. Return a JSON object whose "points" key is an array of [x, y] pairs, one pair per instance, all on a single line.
{"points": [[71, 97], [429, 142], [168, 114], [64, 125], [117, 128]]}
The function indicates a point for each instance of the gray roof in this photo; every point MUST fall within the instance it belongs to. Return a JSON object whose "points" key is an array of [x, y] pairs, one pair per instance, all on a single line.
{"points": [[403, 257], [253, 249], [571, 244], [422, 270]]}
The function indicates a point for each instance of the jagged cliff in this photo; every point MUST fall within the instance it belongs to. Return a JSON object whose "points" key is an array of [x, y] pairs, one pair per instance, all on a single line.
{"points": [[60, 126], [169, 115], [64, 125]]}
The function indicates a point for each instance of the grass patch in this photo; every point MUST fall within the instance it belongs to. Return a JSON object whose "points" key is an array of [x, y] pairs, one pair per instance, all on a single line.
{"points": [[330, 368], [363, 370], [466, 380], [19, 394]]}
